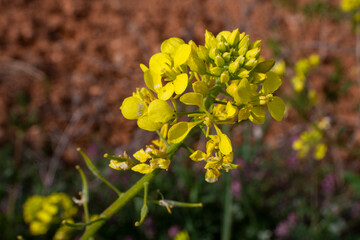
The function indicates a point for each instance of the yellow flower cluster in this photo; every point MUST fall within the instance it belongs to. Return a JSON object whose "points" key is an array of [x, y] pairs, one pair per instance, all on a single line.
{"points": [[302, 68], [40, 212], [350, 5], [223, 81], [311, 141]]}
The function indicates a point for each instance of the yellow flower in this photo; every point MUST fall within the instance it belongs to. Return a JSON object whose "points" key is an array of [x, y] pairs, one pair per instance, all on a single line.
{"points": [[151, 113]]}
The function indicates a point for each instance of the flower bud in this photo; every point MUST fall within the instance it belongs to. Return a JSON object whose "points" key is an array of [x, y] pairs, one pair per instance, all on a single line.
{"points": [[210, 40], [221, 46], [255, 44], [203, 53], [233, 67], [244, 43], [250, 64], [226, 56], [213, 53], [216, 71], [219, 61], [234, 39], [253, 53], [200, 87], [240, 60], [224, 78]]}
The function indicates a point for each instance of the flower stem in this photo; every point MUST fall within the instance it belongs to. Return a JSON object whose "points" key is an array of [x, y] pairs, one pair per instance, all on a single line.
{"points": [[119, 203]]}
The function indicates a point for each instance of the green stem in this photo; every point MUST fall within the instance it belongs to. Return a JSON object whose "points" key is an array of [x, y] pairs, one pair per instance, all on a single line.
{"points": [[187, 113], [119, 203], [226, 226], [84, 195], [162, 138]]}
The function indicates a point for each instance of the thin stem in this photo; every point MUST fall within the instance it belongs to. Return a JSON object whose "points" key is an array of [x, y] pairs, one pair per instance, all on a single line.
{"points": [[188, 148], [226, 227], [119, 203], [162, 138], [187, 113], [84, 195]]}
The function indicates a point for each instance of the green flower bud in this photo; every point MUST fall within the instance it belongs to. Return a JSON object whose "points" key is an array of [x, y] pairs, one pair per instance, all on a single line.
{"points": [[250, 64], [224, 78], [216, 71], [253, 53], [196, 64], [219, 61], [233, 67], [244, 43], [242, 51], [227, 56], [221, 46], [210, 40], [243, 73], [203, 53], [200, 87], [213, 53], [240, 60], [234, 39], [255, 44]]}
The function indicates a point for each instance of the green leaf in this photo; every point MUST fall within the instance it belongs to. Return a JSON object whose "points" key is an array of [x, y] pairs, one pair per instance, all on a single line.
{"points": [[96, 171], [271, 83], [276, 108]]}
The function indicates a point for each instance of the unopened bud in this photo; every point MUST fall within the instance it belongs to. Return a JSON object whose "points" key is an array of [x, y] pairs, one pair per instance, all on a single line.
{"points": [[234, 39], [216, 71], [219, 61], [224, 78], [213, 53]]}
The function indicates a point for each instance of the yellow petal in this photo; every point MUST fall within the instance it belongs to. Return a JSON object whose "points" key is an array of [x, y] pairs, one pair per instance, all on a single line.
{"points": [[158, 62], [276, 108], [142, 168], [180, 130], [170, 45], [257, 115], [230, 110], [166, 92], [133, 107], [160, 163], [192, 98], [160, 111], [152, 80], [212, 175], [141, 155], [198, 156], [182, 54], [117, 165], [181, 83], [147, 124], [225, 144]]}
